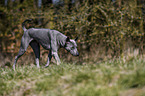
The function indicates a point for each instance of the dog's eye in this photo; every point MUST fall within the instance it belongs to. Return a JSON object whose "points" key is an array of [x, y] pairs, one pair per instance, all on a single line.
{"points": [[72, 48]]}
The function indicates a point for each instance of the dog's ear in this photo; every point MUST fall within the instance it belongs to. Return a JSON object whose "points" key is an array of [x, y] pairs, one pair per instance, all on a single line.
{"points": [[67, 39], [76, 38]]}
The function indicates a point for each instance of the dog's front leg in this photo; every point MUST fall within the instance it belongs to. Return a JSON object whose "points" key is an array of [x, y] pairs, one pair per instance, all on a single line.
{"points": [[55, 55]]}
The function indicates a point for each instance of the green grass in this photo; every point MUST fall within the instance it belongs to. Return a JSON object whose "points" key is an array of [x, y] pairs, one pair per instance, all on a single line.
{"points": [[111, 78]]}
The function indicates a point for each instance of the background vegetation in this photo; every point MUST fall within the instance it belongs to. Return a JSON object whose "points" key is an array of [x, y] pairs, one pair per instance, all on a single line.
{"points": [[111, 25]]}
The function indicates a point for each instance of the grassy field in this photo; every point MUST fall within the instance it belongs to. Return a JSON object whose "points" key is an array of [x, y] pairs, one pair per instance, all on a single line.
{"points": [[121, 77]]}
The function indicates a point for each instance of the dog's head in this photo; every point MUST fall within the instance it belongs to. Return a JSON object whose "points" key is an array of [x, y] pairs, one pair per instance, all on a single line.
{"points": [[71, 46]]}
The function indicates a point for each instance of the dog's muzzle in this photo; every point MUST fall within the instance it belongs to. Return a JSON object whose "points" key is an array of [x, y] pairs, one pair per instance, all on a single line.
{"points": [[76, 54]]}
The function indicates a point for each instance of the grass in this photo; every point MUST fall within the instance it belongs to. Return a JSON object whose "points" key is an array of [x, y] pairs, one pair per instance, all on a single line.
{"points": [[121, 77]]}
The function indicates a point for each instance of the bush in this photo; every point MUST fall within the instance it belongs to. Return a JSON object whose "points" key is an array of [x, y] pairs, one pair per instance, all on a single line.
{"points": [[106, 23]]}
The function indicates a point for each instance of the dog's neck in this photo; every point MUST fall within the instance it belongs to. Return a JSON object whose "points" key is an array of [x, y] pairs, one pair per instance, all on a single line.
{"points": [[61, 39]]}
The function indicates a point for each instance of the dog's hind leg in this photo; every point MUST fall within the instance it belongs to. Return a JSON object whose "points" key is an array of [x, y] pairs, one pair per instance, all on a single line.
{"points": [[24, 44], [36, 48], [49, 58]]}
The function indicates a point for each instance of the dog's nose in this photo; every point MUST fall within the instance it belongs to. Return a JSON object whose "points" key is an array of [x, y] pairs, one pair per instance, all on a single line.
{"points": [[77, 54]]}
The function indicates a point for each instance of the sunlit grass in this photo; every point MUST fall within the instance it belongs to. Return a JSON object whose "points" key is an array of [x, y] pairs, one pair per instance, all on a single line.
{"points": [[111, 78]]}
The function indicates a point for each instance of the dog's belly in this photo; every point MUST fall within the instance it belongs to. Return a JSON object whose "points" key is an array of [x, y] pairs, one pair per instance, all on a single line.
{"points": [[45, 45]]}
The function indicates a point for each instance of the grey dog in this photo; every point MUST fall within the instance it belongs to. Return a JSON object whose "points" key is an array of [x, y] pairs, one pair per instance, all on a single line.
{"points": [[49, 39]]}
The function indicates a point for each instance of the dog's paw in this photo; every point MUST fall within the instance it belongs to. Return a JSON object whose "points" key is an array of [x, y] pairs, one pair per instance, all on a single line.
{"points": [[45, 66]]}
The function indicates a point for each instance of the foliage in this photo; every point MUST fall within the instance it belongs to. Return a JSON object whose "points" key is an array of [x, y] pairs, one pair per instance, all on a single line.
{"points": [[96, 22]]}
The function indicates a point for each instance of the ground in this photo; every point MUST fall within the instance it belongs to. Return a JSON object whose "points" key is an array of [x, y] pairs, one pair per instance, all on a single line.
{"points": [[118, 77]]}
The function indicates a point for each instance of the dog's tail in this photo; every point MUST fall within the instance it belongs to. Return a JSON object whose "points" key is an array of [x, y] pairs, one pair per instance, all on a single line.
{"points": [[23, 24]]}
